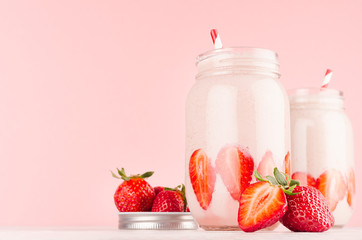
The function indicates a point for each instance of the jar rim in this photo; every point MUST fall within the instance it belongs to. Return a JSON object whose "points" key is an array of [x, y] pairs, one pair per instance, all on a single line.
{"points": [[316, 98], [241, 52], [313, 91]]}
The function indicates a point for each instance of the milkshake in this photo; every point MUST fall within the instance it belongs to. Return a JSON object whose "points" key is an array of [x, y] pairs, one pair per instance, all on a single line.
{"points": [[237, 120], [322, 147]]}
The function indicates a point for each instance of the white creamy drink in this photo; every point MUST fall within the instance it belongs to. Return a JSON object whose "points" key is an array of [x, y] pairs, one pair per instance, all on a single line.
{"points": [[322, 147], [237, 120]]}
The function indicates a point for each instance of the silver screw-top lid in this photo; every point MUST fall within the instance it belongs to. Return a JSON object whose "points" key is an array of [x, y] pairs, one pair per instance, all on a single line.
{"points": [[157, 221]]}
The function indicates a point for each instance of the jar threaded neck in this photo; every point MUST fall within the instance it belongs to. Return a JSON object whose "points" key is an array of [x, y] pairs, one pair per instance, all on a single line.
{"points": [[246, 60]]}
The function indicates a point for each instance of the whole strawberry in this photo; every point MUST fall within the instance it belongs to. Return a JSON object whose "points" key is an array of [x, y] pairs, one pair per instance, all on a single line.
{"points": [[307, 211], [170, 200], [134, 194]]}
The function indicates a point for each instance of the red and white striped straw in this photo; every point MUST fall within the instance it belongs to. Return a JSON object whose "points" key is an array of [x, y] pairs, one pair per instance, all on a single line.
{"points": [[216, 38], [327, 78]]}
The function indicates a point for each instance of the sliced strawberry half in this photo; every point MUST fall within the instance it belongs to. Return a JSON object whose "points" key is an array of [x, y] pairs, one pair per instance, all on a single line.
{"points": [[304, 179], [331, 184], [202, 176], [287, 164], [267, 164], [261, 205], [235, 166], [351, 187]]}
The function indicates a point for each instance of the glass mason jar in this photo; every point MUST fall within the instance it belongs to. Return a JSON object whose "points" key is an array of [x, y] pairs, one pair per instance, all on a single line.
{"points": [[322, 147], [237, 119]]}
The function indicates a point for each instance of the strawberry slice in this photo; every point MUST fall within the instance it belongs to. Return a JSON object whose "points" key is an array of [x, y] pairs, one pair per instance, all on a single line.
{"points": [[287, 164], [331, 184], [304, 179], [202, 176], [235, 166], [267, 165], [261, 205], [351, 187]]}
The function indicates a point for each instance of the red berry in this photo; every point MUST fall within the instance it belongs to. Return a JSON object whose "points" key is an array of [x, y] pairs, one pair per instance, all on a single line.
{"points": [[304, 179], [235, 166], [333, 187], [168, 201], [202, 177], [134, 194], [261, 205], [267, 164], [158, 189], [307, 211]]}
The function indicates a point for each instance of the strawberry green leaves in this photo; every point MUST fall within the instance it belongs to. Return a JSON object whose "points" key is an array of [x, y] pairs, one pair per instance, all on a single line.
{"points": [[258, 176], [294, 182], [122, 175], [272, 180], [279, 179], [147, 174]]}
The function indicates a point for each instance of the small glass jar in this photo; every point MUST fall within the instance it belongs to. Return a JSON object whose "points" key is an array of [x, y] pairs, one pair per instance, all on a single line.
{"points": [[237, 110], [322, 147]]}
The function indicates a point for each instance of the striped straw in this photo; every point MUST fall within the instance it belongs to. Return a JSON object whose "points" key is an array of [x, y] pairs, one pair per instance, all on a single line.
{"points": [[327, 78], [216, 38]]}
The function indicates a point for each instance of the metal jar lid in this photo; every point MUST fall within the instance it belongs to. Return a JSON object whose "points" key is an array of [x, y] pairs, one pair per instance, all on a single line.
{"points": [[156, 220]]}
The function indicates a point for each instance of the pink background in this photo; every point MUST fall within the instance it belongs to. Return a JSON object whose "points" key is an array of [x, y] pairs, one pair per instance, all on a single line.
{"points": [[88, 86]]}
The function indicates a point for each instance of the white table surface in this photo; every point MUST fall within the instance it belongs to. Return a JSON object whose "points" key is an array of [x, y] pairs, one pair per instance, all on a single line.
{"points": [[17, 233]]}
